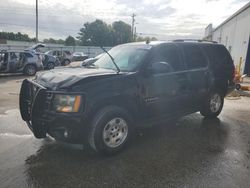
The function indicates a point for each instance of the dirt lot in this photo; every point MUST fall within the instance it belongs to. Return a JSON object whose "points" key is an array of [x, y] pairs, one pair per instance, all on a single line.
{"points": [[191, 152]]}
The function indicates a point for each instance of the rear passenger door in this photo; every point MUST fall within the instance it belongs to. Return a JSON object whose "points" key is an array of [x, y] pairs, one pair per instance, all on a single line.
{"points": [[198, 73], [166, 92]]}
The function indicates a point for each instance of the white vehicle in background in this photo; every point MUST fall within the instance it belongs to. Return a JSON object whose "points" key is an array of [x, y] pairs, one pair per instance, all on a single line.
{"points": [[79, 56]]}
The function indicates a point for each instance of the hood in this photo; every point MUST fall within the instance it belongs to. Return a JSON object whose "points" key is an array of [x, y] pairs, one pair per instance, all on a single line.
{"points": [[64, 77]]}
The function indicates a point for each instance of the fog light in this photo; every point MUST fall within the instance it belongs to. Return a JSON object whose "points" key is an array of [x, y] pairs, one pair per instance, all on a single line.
{"points": [[66, 134]]}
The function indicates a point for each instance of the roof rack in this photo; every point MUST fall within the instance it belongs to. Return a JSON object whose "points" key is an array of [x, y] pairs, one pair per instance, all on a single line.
{"points": [[193, 40]]}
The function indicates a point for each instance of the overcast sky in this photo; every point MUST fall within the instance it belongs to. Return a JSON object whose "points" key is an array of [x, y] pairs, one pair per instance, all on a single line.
{"points": [[164, 19]]}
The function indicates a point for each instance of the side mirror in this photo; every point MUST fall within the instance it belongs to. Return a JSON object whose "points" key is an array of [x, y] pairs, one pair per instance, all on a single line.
{"points": [[159, 67]]}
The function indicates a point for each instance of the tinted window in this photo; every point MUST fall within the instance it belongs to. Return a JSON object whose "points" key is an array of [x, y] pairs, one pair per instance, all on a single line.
{"points": [[169, 54], [194, 57], [217, 54]]}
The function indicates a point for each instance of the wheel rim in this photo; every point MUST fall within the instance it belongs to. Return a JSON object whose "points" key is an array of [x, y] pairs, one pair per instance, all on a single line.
{"points": [[215, 103], [50, 66], [31, 70], [115, 132]]}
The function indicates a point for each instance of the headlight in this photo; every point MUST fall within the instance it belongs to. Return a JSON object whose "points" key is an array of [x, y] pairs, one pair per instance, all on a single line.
{"points": [[66, 103]]}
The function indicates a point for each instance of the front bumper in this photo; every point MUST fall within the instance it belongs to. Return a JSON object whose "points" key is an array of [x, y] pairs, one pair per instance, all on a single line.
{"points": [[35, 103]]}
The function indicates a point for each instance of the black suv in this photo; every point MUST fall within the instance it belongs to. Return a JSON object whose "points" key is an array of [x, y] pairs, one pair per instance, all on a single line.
{"points": [[131, 85]]}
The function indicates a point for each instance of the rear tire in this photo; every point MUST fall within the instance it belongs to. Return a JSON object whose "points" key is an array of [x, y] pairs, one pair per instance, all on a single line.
{"points": [[110, 131], [66, 62], [30, 70], [213, 105], [237, 86]]}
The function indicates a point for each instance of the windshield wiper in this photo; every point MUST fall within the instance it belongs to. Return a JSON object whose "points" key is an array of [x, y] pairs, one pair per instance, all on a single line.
{"points": [[113, 60]]}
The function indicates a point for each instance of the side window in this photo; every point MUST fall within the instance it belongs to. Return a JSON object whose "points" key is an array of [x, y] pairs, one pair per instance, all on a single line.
{"points": [[194, 57], [54, 53], [14, 55], [28, 55], [169, 54]]}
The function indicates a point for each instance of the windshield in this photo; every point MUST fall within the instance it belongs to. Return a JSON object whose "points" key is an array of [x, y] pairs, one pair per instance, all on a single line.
{"points": [[127, 58]]}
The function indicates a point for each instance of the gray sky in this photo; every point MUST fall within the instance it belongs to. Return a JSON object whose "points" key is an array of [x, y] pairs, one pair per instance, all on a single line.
{"points": [[164, 19]]}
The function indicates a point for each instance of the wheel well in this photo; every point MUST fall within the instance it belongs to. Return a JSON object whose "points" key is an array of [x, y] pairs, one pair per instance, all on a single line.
{"points": [[125, 103], [30, 64], [221, 86]]}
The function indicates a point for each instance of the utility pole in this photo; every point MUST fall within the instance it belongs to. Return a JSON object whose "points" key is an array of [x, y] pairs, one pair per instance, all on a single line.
{"points": [[133, 25], [36, 21]]}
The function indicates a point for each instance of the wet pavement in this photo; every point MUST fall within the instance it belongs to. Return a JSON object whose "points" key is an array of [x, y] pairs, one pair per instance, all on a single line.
{"points": [[191, 152]]}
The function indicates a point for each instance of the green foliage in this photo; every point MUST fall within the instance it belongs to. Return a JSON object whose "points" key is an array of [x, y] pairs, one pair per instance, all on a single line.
{"points": [[121, 32], [70, 41], [141, 39], [16, 36], [102, 34], [53, 41]]}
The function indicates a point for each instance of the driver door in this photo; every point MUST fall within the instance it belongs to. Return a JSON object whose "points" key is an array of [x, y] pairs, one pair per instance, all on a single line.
{"points": [[166, 83]]}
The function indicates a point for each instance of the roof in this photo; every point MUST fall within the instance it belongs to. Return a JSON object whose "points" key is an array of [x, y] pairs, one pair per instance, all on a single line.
{"points": [[234, 15], [177, 41]]}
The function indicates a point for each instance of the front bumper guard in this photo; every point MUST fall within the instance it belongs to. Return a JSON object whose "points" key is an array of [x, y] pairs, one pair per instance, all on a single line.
{"points": [[31, 103]]}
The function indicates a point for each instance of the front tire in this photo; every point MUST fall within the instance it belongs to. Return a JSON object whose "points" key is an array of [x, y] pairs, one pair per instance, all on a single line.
{"points": [[213, 105], [110, 130]]}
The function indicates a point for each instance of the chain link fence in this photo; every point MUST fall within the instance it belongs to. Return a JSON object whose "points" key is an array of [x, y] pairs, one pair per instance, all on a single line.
{"points": [[91, 51]]}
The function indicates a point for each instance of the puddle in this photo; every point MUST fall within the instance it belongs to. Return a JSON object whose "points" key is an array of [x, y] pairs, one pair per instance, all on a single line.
{"points": [[12, 112], [13, 93], [15, 135]]}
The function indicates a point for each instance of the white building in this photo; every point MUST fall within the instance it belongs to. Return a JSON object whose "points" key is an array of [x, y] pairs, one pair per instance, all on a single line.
{"points": [[234, 33]]}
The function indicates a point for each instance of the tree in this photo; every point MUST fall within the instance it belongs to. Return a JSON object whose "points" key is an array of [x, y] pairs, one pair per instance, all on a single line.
{"points": [[16, 36], [140, 39], [99, 33], [70, 41], [54, 41], [122, 32]]}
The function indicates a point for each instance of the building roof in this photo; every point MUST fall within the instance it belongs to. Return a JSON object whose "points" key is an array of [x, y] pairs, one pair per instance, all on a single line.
{"points": [[234, 15]]}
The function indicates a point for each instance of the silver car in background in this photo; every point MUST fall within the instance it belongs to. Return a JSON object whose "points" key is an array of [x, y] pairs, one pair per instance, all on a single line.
{"points": [[25, 62]]}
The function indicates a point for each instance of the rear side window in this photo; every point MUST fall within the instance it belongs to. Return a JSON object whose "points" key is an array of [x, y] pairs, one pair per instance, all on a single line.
{"points": [[54, 53], [194, 57], [218, 54], [171, 55]]}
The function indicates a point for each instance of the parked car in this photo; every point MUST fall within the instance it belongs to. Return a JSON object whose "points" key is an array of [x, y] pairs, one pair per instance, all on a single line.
{"points": [[90, 61], [20, 62], [64, 56], [49, 61], [79, 56], [86, 62], [134, 84]]}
